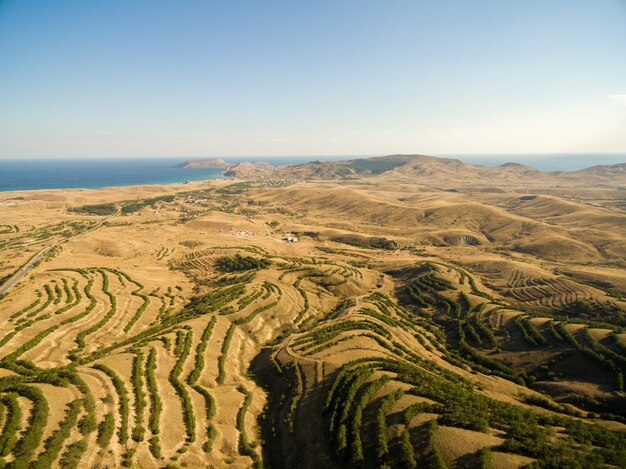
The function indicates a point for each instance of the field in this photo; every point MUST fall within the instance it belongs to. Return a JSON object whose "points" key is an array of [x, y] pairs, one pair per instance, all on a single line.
{"points": [[409, 326]]}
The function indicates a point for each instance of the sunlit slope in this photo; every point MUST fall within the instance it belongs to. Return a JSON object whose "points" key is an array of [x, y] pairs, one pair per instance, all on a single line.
{"points": [[405, 328]]}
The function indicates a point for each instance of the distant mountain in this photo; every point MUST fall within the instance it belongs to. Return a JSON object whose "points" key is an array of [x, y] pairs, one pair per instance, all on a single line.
{"points": [[422, 169], [206, 163], [610, 170], [447, 171], [258, 169]]}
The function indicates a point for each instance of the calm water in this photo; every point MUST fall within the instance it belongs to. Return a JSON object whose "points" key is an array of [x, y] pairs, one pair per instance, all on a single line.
{"points": [[48, 173], [92, 173]]}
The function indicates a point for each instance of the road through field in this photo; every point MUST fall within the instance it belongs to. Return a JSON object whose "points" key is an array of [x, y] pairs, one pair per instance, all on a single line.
{"points": [[19, 275]]}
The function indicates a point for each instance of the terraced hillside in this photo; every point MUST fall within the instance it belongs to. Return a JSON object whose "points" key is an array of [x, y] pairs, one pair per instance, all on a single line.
{"points": [[177, 330]]}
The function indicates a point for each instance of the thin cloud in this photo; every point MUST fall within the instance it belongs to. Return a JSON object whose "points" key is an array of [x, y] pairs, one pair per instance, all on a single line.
{"points": [[618, 98]]}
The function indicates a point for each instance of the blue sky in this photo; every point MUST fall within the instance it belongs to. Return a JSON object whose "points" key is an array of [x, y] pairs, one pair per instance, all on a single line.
{"points": [[205, 78]]}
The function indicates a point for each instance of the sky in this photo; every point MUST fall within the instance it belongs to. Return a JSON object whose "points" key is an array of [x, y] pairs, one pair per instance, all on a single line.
{"points": [[326, 77]]}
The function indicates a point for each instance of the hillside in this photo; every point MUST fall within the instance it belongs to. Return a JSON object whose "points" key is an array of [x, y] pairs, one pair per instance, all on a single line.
{"points": [[443, 173], [408, 326]]}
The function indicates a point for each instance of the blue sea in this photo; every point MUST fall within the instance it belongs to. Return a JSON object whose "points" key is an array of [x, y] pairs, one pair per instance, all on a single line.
{"points": [[93, 173], [67, 173]]}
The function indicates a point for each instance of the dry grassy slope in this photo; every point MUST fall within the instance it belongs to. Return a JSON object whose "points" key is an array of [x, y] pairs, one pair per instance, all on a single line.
{"points": [[453, 219], [313, 303], [443, 172]]}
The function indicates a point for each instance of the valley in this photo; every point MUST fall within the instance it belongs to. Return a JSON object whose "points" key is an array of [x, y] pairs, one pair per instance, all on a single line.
{"points": [[428, 314]]}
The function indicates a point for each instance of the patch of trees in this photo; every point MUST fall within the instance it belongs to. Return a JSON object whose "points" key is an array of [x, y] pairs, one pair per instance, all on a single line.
{"points": [[136, 205], [366, 242], [96, 209], [239, 263]]}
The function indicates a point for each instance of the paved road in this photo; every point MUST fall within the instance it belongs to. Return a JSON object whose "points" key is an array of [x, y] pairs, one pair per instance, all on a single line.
{"points": [[17, 276]]}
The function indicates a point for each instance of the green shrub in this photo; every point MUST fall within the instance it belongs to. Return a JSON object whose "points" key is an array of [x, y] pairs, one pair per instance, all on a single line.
{"points": [[8, 437], [106, 430], [239, 263], [99, 209], [200, 349], [140, 397], [244, 446], [55, 442], [71, 457], [122, 395], [189, 418], [407, 452], [221, 372]]}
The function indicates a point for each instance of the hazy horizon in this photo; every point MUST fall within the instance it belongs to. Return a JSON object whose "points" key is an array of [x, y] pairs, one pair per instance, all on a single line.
{"points": [[329, 78]]}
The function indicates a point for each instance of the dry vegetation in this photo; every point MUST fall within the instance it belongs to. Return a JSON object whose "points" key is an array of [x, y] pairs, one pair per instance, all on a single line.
{"points": [[409, 327]]}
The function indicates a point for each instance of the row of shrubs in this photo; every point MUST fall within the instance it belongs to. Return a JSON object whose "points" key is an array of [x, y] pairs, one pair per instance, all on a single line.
{"points": [[140, 396], [597, 356], [139, 312], [27, 308], [122, 396], [200, 349], [327, 333], [244, 445], [80, 337], [382, 443], [54, 443], [529, 332], [49, 299], [12, 419], [25, 447], [189, 418], [155, 402], [221, 362], [253, 314], [297, 395]]}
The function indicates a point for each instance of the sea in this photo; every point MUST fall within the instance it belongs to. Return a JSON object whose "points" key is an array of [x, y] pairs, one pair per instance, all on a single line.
{"points": [[92, 173]]}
